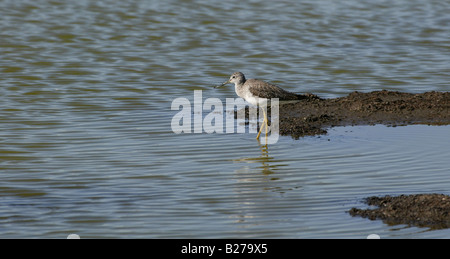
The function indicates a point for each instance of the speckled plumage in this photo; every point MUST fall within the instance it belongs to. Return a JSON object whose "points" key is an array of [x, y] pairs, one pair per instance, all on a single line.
{"points": [[258, 92], [253, 89]]}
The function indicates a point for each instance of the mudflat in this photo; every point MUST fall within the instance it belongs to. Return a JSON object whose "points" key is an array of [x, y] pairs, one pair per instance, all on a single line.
{"points": [[313, 115], [422, 210]]}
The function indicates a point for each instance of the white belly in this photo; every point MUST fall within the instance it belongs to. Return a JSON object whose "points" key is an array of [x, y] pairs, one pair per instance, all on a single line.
{"points": [[255, 100], [246, 95]]}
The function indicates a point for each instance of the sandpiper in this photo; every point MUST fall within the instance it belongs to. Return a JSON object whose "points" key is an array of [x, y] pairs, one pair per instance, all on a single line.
{"points": [[258, 92]]}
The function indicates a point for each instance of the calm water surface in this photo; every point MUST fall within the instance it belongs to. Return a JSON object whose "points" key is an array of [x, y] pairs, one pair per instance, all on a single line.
{"points": [[86, 145]]}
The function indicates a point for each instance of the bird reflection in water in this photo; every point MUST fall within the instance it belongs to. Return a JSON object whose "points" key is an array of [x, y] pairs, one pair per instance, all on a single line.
{"points": [[265, 159]]}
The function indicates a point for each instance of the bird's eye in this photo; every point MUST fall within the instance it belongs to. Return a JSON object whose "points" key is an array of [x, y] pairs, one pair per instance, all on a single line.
{"points": [[233, 77]]}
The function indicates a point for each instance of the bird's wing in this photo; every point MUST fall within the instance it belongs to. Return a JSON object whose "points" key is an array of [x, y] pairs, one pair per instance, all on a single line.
{"points": [[265, 90]]}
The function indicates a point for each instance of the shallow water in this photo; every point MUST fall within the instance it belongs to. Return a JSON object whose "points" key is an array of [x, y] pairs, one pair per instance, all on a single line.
{"points": [[86, 144]]}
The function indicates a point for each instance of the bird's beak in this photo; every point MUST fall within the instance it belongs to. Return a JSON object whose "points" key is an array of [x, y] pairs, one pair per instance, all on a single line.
{"points": [[217, 86]]}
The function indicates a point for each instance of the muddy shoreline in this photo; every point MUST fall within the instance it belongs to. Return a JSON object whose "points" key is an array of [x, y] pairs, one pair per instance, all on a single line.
{"points": [[421, 210], [314, 115]]}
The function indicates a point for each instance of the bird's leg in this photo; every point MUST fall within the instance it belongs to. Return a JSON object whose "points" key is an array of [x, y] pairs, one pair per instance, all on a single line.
{"points": [[262, 126], [267, 123]]}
